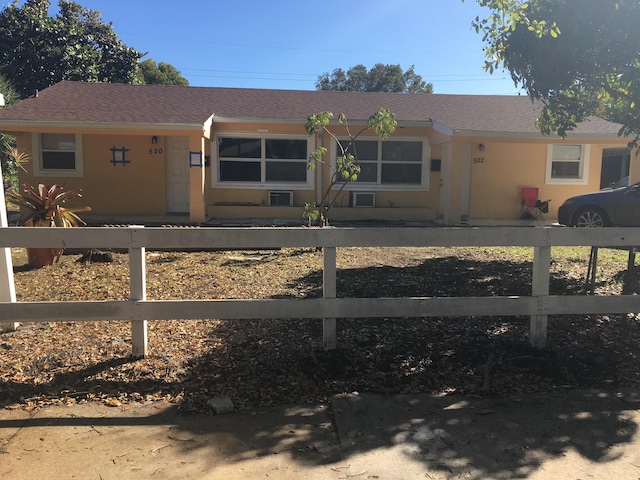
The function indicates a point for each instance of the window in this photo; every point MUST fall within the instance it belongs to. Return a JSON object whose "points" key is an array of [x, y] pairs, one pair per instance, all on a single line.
{"points": [[255, 160], [58, 154], [390, 162], [567, 164]]}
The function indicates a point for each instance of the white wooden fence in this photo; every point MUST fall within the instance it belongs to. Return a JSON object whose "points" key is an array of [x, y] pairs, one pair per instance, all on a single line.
{"points": [[139, 310]]}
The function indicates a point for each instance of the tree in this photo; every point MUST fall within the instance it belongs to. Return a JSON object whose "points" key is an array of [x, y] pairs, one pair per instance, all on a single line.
{"points": [[37, 50], [578, 58], [9, 156], [150, 72], [346, 169], [381, 78]]}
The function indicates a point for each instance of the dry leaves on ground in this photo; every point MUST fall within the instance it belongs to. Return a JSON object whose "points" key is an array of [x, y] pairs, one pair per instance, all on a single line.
{"points": [[269, 362]]}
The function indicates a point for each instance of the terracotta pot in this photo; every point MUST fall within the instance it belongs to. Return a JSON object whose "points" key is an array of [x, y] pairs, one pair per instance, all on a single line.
{"points": [[42, 257]]}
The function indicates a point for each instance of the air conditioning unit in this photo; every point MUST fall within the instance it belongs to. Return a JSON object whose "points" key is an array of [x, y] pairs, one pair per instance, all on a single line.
{"points": [[280, 198], [363, 199]]}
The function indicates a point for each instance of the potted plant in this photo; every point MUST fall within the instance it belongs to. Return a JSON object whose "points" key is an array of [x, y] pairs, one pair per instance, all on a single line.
{"points": [[43, 206]]}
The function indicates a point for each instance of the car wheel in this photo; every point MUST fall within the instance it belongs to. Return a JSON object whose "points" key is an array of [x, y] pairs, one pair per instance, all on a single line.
{"points": [[591, 217]]}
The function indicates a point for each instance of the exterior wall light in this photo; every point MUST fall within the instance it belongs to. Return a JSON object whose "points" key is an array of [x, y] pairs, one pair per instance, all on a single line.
{"points": [[481, 147], [154, 139]]}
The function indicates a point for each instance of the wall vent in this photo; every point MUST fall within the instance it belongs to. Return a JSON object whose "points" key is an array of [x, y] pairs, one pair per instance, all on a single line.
{"points": [[279, 198], [363, 199]]}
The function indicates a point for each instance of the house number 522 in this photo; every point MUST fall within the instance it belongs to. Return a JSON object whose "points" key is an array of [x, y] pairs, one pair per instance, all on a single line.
{"points": [[155, 151], [478, 159]]}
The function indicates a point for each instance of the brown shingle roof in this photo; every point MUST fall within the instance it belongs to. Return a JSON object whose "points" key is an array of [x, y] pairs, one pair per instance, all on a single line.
{"points": [[112, 103]]}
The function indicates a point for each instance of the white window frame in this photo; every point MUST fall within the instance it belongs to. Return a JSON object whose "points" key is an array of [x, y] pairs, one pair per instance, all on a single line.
{"points": [[39, 171], [378, 186], [263, 184], [583, 161]]}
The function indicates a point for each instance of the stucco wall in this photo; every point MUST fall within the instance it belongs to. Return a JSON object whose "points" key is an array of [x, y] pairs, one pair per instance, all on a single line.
{"points": [[495, 176], [499, 173], [138, 187]]}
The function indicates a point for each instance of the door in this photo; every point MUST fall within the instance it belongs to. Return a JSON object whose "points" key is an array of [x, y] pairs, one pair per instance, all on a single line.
{"points": [[615, 165], [178, 174]]}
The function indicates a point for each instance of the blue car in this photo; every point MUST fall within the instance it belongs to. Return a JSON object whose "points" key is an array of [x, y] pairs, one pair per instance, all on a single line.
{"points": [[623, 182], [616, 206]]}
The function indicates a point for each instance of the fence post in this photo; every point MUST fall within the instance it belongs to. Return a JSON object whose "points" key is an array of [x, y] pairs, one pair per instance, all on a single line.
{"points": [[7, 285], [539, 288], [329, 291], [138, 291]]}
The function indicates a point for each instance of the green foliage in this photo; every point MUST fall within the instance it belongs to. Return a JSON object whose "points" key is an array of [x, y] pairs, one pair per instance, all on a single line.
{"points": [[381, 78], [44, 206], [8, 162], [311, 212], [346, 168], [37, 50], [152, 73], [8, 90], [578, 58]]}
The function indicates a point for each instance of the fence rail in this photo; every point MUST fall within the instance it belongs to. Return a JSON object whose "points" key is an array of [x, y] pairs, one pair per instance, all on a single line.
{"points": [[139, 310]]}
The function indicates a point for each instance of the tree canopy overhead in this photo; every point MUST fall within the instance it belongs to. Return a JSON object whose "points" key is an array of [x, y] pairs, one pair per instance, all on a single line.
{"points": [[161, 73], [579, 58], [37, 50], [380, 78]]}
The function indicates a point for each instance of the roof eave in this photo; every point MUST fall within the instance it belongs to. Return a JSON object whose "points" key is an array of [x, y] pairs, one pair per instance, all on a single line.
{"points": [[537, 135], [301, 121], [35, 125]]}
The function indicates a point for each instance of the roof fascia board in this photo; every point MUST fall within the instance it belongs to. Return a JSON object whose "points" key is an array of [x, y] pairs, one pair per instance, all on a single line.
{"points": [[300, 121], [535, 135], [207, 127], [35, 125], [260, 120], [442, 128]]}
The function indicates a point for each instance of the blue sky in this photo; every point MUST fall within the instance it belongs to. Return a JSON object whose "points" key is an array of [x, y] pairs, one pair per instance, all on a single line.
{"points": [[289, 43]]}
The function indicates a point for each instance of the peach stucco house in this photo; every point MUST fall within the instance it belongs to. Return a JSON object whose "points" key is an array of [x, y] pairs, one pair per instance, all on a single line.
{"points": [[242, 153]]}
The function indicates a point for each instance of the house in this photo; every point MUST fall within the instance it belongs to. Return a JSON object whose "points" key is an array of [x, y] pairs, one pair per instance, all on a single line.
{"points": [[242, 153]]}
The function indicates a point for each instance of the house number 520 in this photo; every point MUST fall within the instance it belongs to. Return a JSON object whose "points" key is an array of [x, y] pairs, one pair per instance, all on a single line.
{"points": [[155, 151]]}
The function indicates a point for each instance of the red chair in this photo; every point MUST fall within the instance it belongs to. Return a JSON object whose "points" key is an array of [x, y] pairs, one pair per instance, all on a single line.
{"points": [[532, 206]]}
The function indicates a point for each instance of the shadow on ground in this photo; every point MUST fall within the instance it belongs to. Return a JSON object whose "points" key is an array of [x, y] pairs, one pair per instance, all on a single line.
{"points": [[454, 393], [557, 435]]}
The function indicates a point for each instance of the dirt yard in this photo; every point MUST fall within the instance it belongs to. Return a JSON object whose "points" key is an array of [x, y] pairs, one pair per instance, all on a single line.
{"points": [[273, 362]]}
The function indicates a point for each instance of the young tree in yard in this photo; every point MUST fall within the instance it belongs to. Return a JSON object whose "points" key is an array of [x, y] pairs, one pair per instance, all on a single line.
{"points": [[37, 50], [381, 78], [580, 58], [346, 168]]}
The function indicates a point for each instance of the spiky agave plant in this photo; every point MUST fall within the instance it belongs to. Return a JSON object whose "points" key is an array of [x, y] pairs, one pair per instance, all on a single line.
{"points": [[44, 206]]}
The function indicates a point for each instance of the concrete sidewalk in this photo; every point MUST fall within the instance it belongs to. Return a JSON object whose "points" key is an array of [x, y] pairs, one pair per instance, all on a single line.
{"points": [[586, 434]]}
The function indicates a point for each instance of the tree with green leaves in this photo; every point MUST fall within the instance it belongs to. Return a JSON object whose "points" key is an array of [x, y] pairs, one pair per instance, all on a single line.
{"points": [[37, 50], [161, 73], [580, 58], [380, 78], [346, 168], [8, 152]]}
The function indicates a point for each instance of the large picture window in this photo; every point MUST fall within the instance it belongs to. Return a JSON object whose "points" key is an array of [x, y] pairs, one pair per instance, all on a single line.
{"points": [[58, 154], [567, 163], [256, 160], [389, 162]]}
